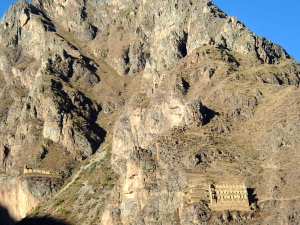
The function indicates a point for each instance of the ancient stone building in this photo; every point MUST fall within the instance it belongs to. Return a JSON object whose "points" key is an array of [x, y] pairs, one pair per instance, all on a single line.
{"points": [[29, 171], [228, 197]]}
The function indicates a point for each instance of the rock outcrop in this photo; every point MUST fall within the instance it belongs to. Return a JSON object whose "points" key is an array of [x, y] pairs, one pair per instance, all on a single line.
{"points": [[188, 95]]}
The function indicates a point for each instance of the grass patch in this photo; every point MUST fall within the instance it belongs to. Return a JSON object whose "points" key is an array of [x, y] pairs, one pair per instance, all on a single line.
{"points": [[64, 211], [36, 210], [58, 201], [104, 168], [92, 167]]}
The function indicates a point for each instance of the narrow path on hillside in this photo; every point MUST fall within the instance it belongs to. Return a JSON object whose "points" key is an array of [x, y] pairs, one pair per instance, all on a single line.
{"points": [[279, 199], [97, 157]]}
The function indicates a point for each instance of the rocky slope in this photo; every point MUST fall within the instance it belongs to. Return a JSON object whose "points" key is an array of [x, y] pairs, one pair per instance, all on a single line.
{"points": [[174, 92]]}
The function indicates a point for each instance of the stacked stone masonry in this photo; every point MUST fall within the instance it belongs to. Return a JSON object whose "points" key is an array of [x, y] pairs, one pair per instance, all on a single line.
{"points": [[40, 172], [228, 197]]}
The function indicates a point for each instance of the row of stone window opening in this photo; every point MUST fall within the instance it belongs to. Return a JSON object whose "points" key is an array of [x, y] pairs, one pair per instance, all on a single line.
{"points": [[241, 186], [231, 196], [230, 192]]}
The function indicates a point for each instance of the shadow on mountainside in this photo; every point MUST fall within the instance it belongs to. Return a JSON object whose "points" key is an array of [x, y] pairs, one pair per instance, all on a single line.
{"points": [[252, 196], [5, 219], [208, 114], [41, 221]]}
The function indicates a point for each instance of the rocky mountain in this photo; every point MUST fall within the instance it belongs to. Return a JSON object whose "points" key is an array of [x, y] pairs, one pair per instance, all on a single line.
{"points": [[126, 112]]}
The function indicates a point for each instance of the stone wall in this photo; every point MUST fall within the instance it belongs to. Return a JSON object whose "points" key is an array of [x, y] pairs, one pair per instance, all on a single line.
{"points": [[36, 171], [228, 197]]}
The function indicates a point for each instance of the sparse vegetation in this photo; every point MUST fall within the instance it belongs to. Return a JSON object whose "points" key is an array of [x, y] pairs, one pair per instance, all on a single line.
{"points": [[64, 211], [202, 95], [36, 210], [90, 190], [58, 201], [92, 167]]}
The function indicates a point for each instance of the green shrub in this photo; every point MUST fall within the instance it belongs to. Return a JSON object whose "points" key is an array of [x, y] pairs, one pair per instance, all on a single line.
{"points": [[36, 210], [64, 211], [104, 168], [92, 167], [58, 201]]}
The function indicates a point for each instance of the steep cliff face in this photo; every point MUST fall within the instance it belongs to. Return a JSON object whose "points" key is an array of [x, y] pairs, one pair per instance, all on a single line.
{"points": [[21, 195], [226, 132], [183, 90], [47, 120], [210, 76], [15, 196]]}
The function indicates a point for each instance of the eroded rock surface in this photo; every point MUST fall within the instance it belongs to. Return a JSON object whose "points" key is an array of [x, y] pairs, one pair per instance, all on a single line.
{"points": [[188, 95]]}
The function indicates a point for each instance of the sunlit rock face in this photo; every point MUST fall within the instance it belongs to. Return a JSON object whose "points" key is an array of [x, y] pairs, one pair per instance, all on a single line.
{"points": [[188, 95]]}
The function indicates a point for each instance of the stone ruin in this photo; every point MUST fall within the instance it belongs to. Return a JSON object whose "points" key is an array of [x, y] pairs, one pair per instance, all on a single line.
{"points": [[228, 197], [136, 148], [41, 172]]}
